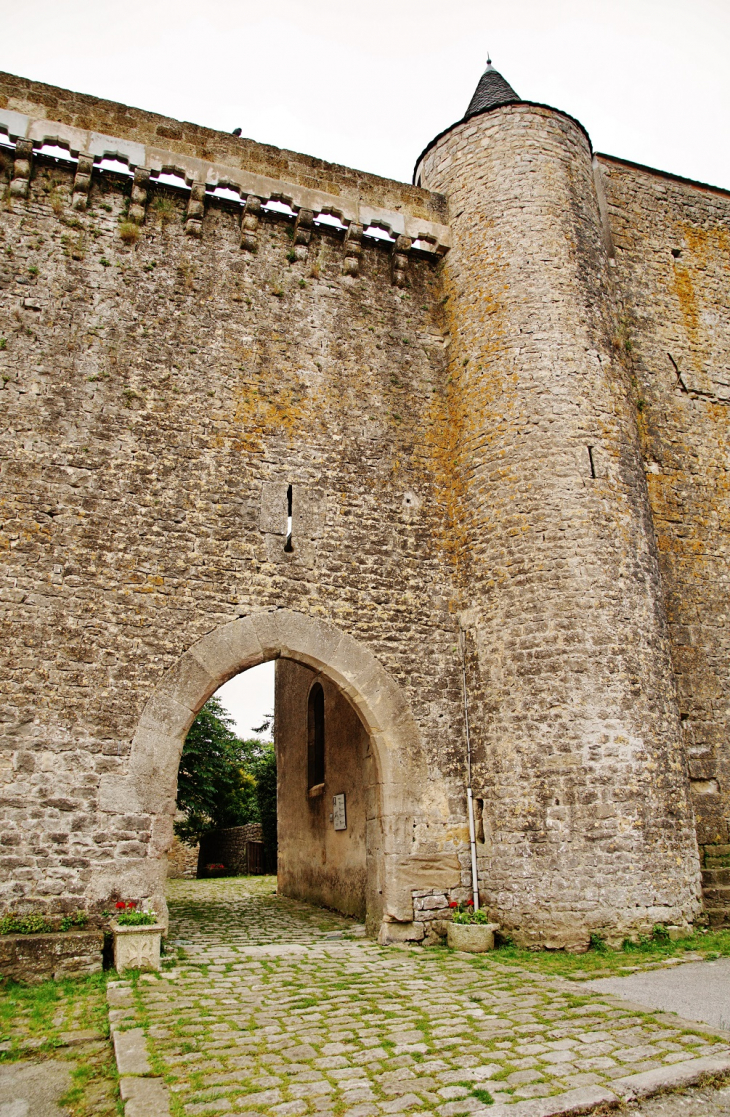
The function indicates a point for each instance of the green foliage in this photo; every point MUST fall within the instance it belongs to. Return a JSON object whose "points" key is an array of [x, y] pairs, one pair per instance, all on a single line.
{"points": [[647, 950], [78, 919], [136, 918], [264, 771], [658, 937], [34, 924], [468, 915], [217, 784], [483, 1095], [597, 943]]}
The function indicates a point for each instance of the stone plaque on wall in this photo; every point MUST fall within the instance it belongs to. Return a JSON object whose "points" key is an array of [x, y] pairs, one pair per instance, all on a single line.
{"points": [[339, 816]]}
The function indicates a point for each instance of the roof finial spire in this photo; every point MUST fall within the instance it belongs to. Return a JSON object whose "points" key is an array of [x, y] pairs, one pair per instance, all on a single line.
{"points": [[492, 91]]}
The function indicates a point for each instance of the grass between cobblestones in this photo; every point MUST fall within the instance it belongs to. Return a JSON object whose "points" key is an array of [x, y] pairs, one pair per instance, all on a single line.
{"points": [[64, 1020], [608, 963], [276, 1007], [267, 1005]]}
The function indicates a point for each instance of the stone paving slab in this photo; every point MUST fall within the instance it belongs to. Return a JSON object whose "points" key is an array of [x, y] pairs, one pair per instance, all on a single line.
{"points": [[342, 1027], [144, 1097], [130, 1051], [34, 1089]]}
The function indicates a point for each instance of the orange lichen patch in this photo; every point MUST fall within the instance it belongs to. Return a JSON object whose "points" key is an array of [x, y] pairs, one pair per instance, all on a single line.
{"points": [[690, 314], [461, 419], [260, 413], [706, 248]]}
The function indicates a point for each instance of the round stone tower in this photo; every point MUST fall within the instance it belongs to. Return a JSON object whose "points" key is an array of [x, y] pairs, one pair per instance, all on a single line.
{"points": [[587, 821]]}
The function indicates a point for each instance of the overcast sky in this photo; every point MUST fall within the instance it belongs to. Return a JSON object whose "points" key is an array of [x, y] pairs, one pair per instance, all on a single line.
{"points": [[369, 84]]}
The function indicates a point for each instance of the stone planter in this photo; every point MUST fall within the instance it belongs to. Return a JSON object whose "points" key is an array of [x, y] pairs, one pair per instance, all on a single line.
{"points": [[137, 948], [474, 938]]}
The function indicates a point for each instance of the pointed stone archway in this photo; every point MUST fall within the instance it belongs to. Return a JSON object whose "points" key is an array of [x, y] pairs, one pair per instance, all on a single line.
{"points": [[226, 651]]}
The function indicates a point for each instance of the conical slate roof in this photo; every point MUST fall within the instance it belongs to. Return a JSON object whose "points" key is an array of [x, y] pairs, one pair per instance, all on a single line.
{"points": [[492, 90]]}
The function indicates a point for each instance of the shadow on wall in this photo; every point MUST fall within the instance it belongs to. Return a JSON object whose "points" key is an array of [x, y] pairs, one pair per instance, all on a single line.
{"points": [[326, 792], [233, 851]]}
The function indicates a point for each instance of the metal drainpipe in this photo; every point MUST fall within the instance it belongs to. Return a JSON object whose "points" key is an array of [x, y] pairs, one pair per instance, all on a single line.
{"points": [[469, 796]]}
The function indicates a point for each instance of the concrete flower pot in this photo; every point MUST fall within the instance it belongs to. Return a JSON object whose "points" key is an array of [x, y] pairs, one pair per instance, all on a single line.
{"points": [[474, 938], [137, 948]]}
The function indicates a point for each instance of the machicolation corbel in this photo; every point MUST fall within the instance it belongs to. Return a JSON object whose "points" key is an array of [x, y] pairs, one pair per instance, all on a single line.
{"points": [[196, 211], [399, 261], [353, 249], [303, 233], [250, 223], [140, 185], [22, 168], [82, 181]]}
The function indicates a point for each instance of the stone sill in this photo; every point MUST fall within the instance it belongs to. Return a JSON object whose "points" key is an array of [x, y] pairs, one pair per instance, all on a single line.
{"points": [[141, 929]]}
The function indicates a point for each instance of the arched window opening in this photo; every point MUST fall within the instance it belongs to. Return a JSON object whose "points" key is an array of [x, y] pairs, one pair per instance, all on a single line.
{"points": [[315, 736]]}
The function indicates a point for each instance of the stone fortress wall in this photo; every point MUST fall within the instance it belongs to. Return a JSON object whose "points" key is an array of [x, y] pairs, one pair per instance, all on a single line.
{"points": [[463, 410], [671, 250]]}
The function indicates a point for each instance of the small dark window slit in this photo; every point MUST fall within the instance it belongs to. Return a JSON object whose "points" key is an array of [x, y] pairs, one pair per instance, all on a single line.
{"points": [[288, 546], [593, 464]]}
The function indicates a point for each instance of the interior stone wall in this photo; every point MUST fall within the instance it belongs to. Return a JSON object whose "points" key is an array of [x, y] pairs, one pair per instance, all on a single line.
{"points": [[671, 243], [316, 862]]}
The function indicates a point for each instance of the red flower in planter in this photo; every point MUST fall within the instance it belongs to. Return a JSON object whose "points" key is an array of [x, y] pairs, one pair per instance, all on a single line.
{"points": [[131, 903], [454, 904], [120, 904]]}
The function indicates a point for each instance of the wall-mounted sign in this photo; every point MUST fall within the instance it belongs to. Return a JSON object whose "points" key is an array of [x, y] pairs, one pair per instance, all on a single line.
{"points": [[338, 812]]}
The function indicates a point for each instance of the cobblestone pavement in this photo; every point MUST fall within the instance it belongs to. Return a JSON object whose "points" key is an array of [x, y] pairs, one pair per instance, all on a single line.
{"points": [[276, 1007]]}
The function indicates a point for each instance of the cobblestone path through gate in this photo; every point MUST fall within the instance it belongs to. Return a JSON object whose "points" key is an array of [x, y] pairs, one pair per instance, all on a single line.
{"points": [[275, 1007]]}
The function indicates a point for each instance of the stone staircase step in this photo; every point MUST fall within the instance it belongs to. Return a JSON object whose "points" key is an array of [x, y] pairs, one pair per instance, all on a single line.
{"points": [[714, 877], [716, 897], [718, 917]]}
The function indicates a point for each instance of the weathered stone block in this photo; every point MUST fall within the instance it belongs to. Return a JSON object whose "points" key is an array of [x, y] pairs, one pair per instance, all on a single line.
{"points": [[35, 958]]}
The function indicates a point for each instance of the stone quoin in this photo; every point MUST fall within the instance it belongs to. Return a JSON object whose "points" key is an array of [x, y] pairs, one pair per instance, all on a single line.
{"points": [[256, 406]]}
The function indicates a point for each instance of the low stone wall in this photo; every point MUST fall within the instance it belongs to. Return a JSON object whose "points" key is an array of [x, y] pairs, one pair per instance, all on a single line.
{"points": [[229, 847], [35, 958], [182, 860]]}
